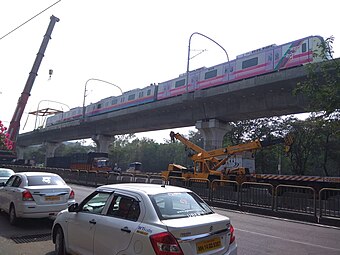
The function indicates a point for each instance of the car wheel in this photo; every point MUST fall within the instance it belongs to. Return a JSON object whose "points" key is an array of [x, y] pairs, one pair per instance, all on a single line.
{"points": [[12, 215], [59, 246]]}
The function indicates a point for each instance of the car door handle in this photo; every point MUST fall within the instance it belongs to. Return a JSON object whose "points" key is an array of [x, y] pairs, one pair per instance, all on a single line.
{"points": [[126, 229], [93, 221]]}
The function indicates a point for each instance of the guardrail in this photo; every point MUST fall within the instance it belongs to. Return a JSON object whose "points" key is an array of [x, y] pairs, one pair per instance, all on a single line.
{"points": [[297, 202]]}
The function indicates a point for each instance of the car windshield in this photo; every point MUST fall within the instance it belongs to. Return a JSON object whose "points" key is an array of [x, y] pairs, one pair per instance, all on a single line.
{"points": [[179, 205], [5, 173], [44, 180]]}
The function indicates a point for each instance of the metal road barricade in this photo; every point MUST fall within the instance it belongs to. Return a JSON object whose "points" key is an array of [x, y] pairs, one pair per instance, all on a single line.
{"points": [[74, 176], [156, 179], [299, 199], [83, 174], [257, 195], [141, 178], [58, 171], [67, 175], [289, 200], [224, 191], [329, 203], [102, 177], [200, 186], [177, 181], [91, 178], [126, 178], [113, 178]]}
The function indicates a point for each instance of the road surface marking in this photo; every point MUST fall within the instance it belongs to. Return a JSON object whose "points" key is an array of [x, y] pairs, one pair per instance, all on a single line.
{"points": [[285, 239]]}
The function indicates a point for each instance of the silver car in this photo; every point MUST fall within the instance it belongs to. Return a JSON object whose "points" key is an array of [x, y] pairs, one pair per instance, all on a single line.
{"points": [[144, 219], [34, 195], [5, 173]]}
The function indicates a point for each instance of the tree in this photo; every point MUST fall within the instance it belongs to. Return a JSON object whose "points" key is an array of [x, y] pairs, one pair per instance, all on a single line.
{"points": [[266, 159], [153, 156], [316, 149], [322, 89], [322, 86]]}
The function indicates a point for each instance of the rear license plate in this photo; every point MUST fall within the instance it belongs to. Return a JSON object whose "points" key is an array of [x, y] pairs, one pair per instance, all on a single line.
{"points": [[52, 198], [208, 245]]}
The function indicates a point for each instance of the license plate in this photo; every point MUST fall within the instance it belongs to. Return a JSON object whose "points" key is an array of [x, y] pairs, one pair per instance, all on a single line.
{"points": [[52, 198], [208, 245]]}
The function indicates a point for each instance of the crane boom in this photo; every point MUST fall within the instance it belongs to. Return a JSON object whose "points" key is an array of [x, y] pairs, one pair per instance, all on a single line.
{"points": [[208, 163], [13, 129]]}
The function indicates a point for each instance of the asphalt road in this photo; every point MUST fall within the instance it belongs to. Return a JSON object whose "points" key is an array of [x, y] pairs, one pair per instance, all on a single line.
{"points": [[255, 234]]}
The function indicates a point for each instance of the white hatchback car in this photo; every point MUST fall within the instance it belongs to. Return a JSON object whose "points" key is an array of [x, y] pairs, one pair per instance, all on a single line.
{"points": [[34, 195], [142, 219]]}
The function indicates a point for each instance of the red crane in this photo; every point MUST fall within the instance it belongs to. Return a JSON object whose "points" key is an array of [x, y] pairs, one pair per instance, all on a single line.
{"points": [[13, 129]]}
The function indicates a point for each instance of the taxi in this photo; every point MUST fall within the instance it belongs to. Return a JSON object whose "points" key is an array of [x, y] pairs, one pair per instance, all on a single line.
{"points": [[146, 219], [34, 195]]}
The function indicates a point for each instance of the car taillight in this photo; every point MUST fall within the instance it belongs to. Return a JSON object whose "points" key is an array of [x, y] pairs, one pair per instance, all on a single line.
{"points": [[232, 236], [165, 244], [71, 195], [27, 196]]}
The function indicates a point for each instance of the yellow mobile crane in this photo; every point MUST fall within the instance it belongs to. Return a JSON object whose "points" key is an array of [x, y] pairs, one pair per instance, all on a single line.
{"points": [[207, 164]]}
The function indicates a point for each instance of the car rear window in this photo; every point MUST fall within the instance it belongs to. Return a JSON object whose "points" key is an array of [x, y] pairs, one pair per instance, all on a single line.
{"points": [[5, 173], [179, 205], [44, 180]]}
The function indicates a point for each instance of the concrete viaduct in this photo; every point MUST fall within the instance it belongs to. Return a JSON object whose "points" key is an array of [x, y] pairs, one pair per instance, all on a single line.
{"points": [[209, 110]]}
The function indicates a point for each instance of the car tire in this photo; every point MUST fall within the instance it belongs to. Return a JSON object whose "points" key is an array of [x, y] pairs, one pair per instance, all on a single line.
{"points": [[13, 220], [59, 246]]}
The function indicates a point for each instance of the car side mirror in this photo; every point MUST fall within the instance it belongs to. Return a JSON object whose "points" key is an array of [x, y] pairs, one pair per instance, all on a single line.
{"points": [[73, 207]]}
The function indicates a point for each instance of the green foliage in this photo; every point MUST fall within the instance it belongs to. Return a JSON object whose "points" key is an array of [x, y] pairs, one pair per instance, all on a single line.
{"points": [[70, 148], [322, 86], [154, 157], [316, 147]]}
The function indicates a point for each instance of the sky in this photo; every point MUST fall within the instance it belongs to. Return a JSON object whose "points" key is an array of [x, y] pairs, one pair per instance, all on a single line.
{"points": [[133, 43]]}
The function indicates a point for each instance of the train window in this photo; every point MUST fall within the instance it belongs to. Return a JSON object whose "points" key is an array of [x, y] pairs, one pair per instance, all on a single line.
{"points": [[277, 56], [250, 62], [131, 97], [231, 69], [114, 101], [106, 104], [99, 106], [148, 92], [180, 83], [122, 99], [304, 47], [210, 74], [141, 94]]}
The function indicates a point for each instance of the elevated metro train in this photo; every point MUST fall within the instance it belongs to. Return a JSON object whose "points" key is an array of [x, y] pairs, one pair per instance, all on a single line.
{"points": [[257, 62]]}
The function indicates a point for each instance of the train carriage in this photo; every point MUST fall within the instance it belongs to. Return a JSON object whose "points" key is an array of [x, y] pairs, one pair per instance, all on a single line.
{"points": [[298, 52], [127, 99], [257, 62], [254, 63], [212, 76], [179, 86], [74, 113], [51, 120]]}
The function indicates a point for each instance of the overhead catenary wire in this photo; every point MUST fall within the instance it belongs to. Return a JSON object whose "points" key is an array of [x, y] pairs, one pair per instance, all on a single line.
{"points": [[29, 20]]}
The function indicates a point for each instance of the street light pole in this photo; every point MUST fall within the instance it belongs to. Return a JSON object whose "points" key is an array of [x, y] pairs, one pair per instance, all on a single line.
{"points": [[94, 79], [188, 60]]}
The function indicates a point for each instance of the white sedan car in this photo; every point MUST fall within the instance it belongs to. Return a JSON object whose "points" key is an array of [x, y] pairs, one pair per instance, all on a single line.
{"points": [[143, 219], [5, 173], [34, 195]]}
